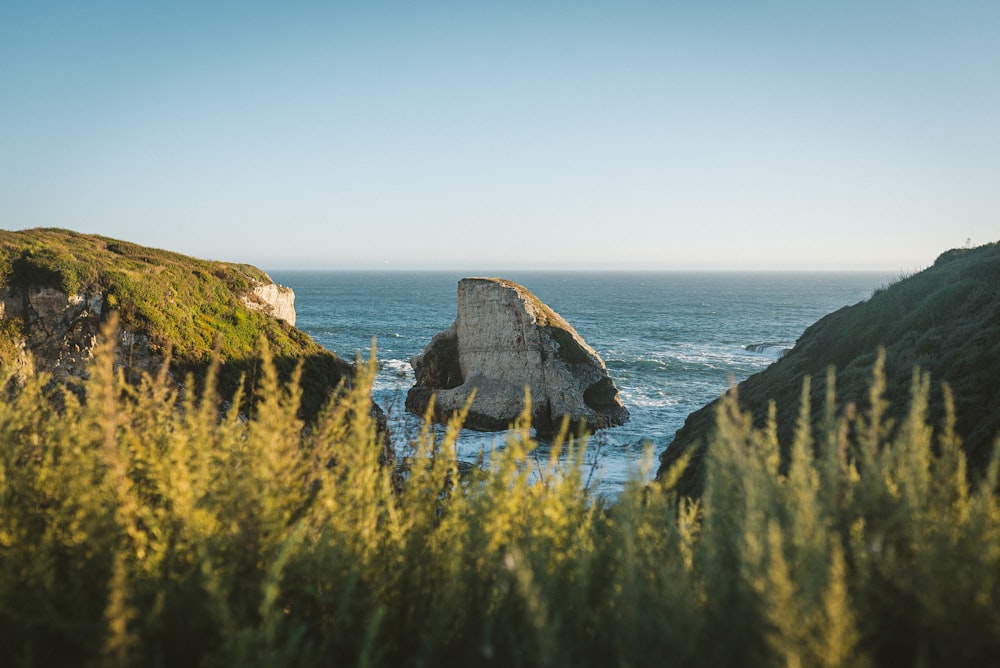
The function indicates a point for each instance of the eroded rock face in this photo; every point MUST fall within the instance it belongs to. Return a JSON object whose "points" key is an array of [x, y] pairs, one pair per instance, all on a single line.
{"points": [[61, 330], [503, 341], [276, 301]]}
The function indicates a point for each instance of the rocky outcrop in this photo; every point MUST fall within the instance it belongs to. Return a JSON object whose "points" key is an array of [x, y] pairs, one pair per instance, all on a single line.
{"points": [[504, 341], [60, 332], [276, 301]]}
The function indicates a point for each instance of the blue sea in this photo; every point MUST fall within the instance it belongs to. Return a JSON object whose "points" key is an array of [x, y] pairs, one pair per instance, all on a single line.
{"points": [[672, 342]]}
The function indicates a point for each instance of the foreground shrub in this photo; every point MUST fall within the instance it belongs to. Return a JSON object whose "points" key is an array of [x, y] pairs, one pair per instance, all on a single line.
{"points": [[145, 526]]}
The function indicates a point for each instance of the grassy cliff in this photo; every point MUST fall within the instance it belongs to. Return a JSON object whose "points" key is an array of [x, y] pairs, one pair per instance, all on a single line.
{"points": [[185, 306], [944, 320]]}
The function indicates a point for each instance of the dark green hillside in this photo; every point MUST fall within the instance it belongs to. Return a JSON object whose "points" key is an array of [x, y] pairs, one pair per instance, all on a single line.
{"points": [[182, 304], [944, 320]]}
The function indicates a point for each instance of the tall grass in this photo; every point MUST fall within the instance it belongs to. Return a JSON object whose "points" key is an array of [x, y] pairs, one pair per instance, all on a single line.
{"points": [[145, 526]]}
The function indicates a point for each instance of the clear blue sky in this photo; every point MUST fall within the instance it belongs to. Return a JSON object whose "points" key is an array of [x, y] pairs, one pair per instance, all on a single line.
{"points": [[474, 135]]}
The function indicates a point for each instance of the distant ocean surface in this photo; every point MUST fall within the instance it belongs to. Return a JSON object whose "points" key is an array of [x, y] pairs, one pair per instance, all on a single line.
{"points": [[671, 341]]}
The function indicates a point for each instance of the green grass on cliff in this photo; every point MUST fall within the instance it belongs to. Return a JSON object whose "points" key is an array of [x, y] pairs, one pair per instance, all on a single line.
{"points": [[137, 528], [944, 320], [185, 305]]}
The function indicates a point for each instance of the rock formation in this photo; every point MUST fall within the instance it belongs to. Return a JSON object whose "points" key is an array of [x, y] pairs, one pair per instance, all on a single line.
{"points": [[59, 330], [276, 301], [503, 341]]}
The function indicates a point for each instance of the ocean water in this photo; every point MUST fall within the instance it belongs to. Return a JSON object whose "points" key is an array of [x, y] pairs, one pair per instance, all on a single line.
{"points": [[672, 342]]}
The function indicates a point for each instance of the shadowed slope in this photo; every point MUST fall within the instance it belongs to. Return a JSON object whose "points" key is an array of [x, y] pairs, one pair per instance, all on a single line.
{"points": [[945, 320]]}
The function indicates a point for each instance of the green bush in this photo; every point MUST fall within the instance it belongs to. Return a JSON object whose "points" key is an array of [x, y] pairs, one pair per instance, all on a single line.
{"points": [[52, 269], [147, 526]]}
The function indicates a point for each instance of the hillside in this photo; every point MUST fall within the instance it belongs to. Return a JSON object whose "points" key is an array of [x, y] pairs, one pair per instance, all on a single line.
{"points": [[944, 320], [57, 286]]}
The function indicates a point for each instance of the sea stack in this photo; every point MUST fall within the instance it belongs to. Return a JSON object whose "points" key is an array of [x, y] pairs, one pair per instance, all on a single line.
{"points": [[505, 340]]}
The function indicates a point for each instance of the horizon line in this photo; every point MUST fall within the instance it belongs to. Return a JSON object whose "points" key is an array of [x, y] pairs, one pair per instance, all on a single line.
{"points": [[592, 270]]}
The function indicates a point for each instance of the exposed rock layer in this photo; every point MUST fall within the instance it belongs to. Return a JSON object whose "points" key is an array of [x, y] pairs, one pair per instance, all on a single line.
{"points": [[276, 301], [59, 330], [504, 341]]}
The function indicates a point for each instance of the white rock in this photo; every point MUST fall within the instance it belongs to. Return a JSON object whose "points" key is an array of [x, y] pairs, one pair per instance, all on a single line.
{"points": [[277, 301], [503, 342]]}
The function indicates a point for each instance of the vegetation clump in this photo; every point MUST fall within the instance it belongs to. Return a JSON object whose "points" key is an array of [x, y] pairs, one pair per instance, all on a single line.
{"points": [[139, 528]]}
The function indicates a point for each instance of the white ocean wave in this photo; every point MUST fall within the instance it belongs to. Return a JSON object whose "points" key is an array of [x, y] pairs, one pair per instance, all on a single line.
{"points": [[398, 368], [655, 399], [773, 350]]}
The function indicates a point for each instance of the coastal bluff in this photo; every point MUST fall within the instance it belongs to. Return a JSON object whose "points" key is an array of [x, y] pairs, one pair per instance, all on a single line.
{"points": [[944, 321], [503, 341], [58, 287]]}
